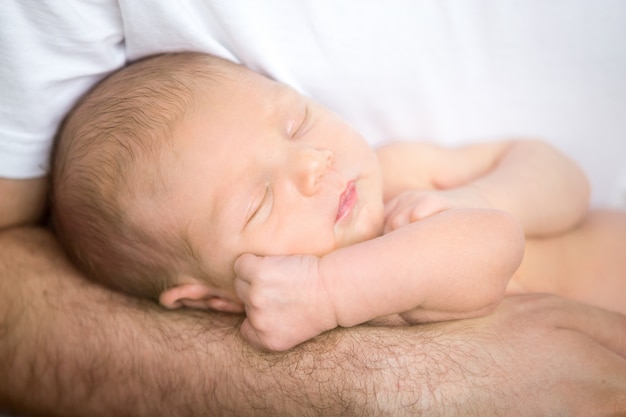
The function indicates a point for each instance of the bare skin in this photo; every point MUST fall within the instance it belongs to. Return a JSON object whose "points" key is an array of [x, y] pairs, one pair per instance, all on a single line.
{"points": [[26, 202], [72, 348], [569, 251], [433, 245], [76, 349], [585, 264]]}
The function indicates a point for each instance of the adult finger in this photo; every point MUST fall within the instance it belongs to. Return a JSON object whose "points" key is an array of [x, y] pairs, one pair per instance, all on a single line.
{"points": [[606, 328]]}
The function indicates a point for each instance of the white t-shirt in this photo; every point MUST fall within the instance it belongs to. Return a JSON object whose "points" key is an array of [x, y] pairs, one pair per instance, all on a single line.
{"points": [[448, 72]]}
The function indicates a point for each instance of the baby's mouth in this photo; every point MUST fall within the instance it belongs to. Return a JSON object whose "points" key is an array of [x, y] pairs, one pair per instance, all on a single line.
{"points": [[347, 200]]}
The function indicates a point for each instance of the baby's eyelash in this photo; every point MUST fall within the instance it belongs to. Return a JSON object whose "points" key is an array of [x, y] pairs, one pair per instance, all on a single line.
{"points": [[303, 123], [261, 204]]}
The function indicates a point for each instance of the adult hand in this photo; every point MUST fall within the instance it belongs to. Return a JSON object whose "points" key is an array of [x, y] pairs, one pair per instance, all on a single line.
{"points": [[536, 355], [70, 347]]}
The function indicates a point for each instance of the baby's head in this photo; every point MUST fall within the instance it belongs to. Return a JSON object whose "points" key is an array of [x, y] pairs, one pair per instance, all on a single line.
{"points": [[173, 167]]}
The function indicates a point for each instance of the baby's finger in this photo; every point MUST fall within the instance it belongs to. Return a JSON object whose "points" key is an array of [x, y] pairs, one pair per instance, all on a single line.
{"points": [[394, 222], [392, 206], [420, 212], [428, 206], [242, 288], [257, 339], [246, 264], [250, 335]]}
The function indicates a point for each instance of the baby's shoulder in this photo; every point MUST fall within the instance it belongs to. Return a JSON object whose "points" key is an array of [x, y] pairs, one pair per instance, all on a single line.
{"points": [[408, 152], [407, 165]]}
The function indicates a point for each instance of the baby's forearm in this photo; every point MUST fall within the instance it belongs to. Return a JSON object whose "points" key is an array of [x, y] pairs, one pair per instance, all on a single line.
{"points": [[543, 188], [452, 264]]}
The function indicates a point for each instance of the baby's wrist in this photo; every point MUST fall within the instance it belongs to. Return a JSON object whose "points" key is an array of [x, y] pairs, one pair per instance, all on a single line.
{"points": [[479, 197], [327, 279]]}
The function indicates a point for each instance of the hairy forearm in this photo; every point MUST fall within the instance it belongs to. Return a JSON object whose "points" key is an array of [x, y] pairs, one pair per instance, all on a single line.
{"points": [[25, 204], [69, 347], [76, 349]]}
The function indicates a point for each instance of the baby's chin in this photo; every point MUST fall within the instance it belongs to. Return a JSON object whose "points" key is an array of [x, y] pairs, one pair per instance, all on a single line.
{"points": [[369, 227]]}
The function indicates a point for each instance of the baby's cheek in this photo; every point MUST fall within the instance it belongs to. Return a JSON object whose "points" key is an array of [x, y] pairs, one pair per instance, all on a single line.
{"points": [[313, 239]]}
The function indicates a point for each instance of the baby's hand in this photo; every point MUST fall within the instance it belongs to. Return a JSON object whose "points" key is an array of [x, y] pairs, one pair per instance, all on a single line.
{"points": [[412, 206], [285, 299]]}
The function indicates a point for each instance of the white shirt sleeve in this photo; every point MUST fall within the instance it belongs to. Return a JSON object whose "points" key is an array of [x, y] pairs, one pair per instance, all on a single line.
{"points": [[450, 74], [51, 53]]}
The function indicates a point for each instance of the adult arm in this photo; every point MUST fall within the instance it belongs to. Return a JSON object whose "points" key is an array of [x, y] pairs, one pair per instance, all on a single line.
{"points": [[50, 54], [547, 191], [23, 202], [72, 348]]}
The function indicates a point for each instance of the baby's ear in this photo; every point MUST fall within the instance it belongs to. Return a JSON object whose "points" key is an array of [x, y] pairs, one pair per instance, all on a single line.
{"points": [[200, 296]]}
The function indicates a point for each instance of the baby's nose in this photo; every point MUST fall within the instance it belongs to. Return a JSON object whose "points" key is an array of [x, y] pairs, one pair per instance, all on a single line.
{"points": [[310, 166]]}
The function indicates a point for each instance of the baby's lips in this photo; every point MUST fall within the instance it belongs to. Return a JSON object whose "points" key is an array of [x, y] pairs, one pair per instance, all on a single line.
{"points": [[347, 200]]}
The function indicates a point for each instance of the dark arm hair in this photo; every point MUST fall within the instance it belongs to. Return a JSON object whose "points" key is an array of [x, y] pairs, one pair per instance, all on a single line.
{"points": [[69, 347]]}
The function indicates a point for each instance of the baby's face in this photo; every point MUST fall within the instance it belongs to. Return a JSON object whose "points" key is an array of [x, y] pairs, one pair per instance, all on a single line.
{"points": [[258, 168]]}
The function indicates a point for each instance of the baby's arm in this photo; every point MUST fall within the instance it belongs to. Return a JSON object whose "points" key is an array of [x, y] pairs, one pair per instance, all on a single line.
{"points": [[455, 264], [530, 179]]}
